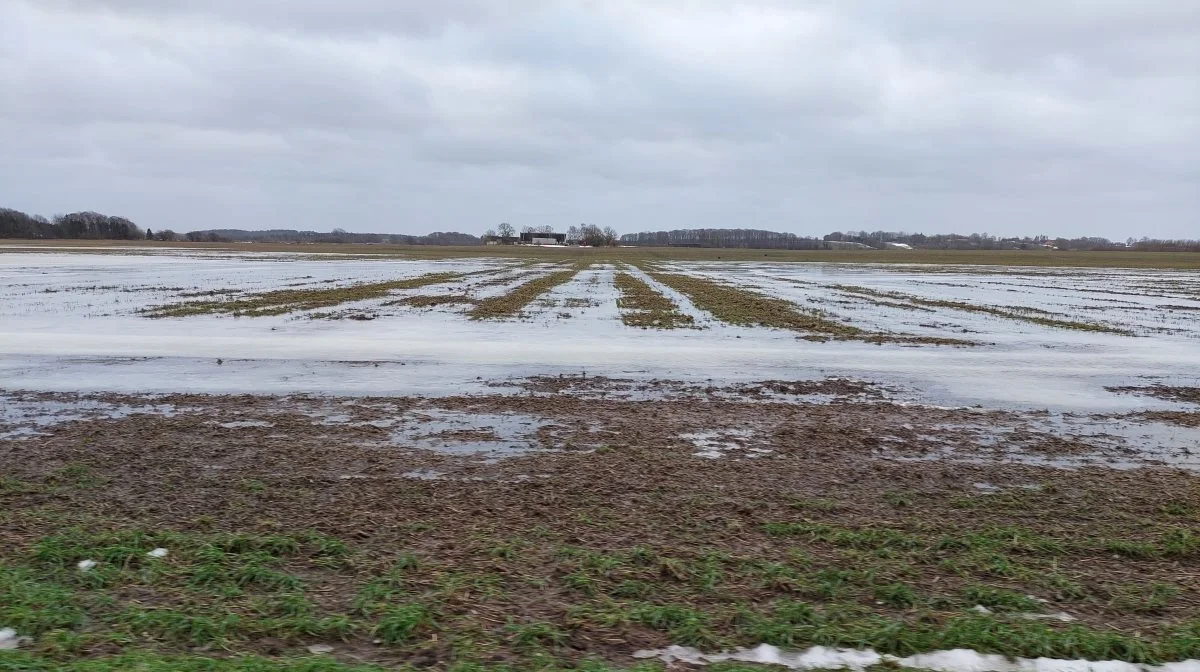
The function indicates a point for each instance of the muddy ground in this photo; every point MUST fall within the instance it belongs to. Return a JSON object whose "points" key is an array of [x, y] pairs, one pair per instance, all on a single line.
{"points": [[587, 518]]}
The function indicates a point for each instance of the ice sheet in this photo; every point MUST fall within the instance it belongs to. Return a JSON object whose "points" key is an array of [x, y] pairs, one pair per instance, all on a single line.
{"points": [[70, 322]]}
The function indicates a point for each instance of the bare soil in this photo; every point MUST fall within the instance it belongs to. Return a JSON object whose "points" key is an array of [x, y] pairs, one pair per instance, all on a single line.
{"points": [[609, 476]]}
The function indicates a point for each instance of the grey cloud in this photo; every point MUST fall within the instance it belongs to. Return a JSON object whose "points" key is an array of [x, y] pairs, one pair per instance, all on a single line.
{"points": [[1077, 118]]}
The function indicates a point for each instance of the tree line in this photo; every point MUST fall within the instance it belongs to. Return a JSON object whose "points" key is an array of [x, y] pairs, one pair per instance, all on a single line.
{"points": [[96, 226], [984, 241], [750, 238], [334, 236], [76, 225]]}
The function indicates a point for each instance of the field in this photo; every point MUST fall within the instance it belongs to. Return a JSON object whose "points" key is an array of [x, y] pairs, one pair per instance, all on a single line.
{"points": [[1113, 259], [248, 458]]}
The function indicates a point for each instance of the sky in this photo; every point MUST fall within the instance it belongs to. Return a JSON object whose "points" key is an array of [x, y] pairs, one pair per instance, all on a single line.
{"points": [[1058, 117]]}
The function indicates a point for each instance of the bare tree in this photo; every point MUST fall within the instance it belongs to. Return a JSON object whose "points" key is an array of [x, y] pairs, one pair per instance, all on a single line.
{"points": [[610, 236], [506, 230]]}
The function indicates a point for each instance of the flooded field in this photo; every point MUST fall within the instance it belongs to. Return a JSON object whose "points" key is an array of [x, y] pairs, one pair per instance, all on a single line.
{"points": [[349, 462], [282, 323]]}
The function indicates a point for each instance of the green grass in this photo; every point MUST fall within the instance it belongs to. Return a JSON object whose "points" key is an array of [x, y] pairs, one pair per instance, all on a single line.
{"points": [[512, 303], [643, 306], [1030, 315], [14, 661], [823, 583], [401, 623], [999, 599], [283, 301], [743, 307]]}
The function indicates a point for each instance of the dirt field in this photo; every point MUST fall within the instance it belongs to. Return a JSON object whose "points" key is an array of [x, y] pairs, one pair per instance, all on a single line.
{"points": [[1115, 259], [570, 521], [229, 461]]}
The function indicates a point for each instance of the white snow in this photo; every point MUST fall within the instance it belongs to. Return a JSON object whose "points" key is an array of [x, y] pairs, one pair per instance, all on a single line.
{"points": [[86, 565], [66, 320], [956, 660], [158, 553], [10, 640]]}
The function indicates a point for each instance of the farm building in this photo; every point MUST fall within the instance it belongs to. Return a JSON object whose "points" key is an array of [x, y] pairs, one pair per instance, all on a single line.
{"points": [[534, 238]]}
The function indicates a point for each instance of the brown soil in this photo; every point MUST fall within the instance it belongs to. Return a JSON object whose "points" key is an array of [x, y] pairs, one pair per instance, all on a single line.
{"points": [[606, 386], [627, 478], [1180, 418], [1168, 392]]}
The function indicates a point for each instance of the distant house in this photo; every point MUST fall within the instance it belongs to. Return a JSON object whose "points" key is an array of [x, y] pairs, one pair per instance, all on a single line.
{"points": [[534, 238], [502, 240]]}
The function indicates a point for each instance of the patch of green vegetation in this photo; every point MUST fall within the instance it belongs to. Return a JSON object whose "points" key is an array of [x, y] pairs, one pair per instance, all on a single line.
{"points": [[513, 595], [643, 306], [742, 307], [75, 475], [867, 537], [1032, 316], [897, 595], [433, 300], [535, 635], [15, 486], [1142, 598], [283, 301], [821, 505], [401, 623], [153, 662], [999, 599], [512, 303], [1174, 543]]}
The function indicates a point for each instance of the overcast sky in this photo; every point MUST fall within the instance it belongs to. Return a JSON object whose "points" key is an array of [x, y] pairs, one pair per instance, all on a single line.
{"points": [[1006, 116]]}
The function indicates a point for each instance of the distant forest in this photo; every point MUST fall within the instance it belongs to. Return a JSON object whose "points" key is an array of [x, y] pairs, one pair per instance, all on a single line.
{"points": [[335, 236], [84, 225], [96, 226]]}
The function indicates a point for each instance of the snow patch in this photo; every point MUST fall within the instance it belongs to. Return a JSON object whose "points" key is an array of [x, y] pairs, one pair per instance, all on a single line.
{"points": [[10, 640], [956, 660], [86, 565], [158, 553]]}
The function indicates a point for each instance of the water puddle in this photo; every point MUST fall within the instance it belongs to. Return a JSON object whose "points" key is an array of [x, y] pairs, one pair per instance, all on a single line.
{"points": [[717, 444], [1055, 440], [244, 424], [26, 415], [491, 435]]}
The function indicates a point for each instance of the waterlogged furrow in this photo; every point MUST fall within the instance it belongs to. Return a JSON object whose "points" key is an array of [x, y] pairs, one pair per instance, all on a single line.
{"points": [[512, 303], [1030, 315], [282, 301], [742, 307], [643, 306]]}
